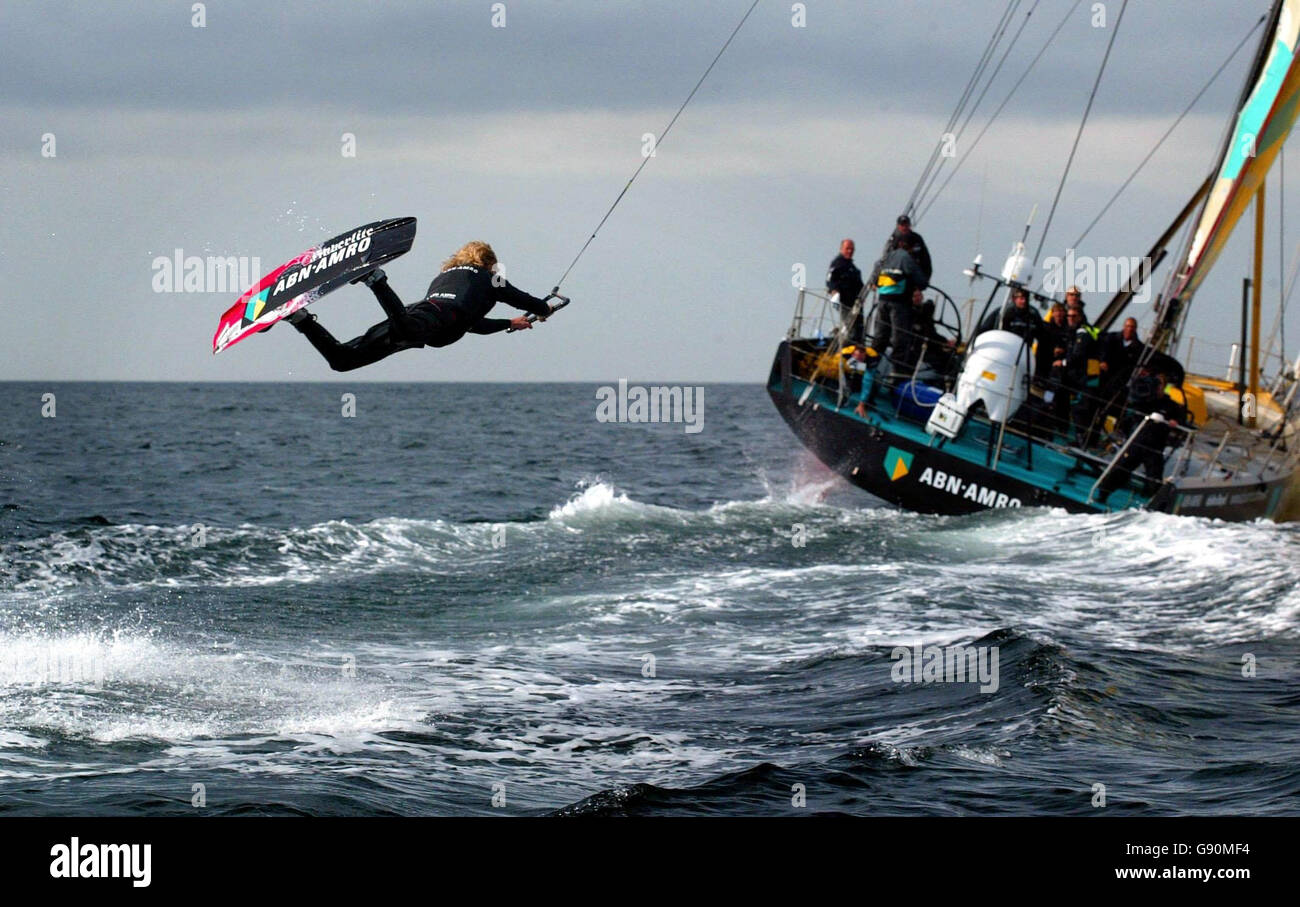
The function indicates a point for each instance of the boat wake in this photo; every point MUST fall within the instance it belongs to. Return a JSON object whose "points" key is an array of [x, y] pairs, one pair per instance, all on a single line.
{"points": [[633, 634], [1233, 581]]}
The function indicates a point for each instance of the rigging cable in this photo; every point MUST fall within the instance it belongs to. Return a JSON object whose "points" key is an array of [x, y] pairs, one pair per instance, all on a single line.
{"points": [[970, 114], [1168, 132], [980, 66], [1079, 135], [659, 140], [1277, 330], [998, 31], [1014, 88]]}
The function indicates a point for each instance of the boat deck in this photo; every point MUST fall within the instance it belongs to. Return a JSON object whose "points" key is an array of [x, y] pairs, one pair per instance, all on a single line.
{"points": [[1066, 471]]}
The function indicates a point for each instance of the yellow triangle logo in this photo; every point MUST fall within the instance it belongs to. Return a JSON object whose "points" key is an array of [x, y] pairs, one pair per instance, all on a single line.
{"points": [[900, 470]]}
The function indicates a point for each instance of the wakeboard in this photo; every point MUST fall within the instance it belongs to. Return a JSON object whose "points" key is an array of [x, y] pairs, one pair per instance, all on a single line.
{"points": [[303, 280]]}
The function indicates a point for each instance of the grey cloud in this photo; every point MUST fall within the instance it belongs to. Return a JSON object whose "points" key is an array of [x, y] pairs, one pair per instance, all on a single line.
{"points": [[225, 141], [445, 56]]}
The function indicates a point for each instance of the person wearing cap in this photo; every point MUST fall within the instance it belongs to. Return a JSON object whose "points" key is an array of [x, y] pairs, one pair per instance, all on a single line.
{"points": [[1019, 317], [898, 277], [1074, 300], [920, 251]]}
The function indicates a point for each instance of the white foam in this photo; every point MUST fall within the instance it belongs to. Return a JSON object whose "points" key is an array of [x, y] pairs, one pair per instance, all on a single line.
{"points": [[601, 501]]}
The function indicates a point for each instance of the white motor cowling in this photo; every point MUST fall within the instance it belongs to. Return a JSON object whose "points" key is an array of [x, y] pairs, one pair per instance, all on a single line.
{"points": [[998, 371]]}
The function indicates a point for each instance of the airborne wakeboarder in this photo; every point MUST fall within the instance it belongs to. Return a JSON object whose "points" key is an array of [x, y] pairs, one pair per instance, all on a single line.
{"points": [[457, 302]]}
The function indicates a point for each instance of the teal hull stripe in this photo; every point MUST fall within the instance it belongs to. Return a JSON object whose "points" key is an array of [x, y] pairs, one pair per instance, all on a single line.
{"points": [[1051, 472]]}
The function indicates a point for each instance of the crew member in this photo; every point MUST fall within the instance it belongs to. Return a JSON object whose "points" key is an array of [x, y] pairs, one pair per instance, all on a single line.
{"points": [[1018, 318], [1159, 417], [920, 251], [844, 278], [1073, 375], [899, 278], [925, 335], [1120, 352], [1074, 300], [1053, 340]]}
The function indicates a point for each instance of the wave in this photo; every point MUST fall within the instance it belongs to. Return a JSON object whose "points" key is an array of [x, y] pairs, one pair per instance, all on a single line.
{"points": [[874, 574], [598, 501], [96, 553], [109, 687], [945, 749]]}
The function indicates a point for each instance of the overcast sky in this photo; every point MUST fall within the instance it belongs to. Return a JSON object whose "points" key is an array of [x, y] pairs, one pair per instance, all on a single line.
{"points": [[226, 140]]}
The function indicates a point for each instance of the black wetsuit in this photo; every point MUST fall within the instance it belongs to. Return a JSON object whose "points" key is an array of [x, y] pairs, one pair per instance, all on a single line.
{"points": [[457, 303]]}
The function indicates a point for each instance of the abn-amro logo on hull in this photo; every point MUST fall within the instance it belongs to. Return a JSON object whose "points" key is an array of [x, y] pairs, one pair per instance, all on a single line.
{"points": [[897, 463]]}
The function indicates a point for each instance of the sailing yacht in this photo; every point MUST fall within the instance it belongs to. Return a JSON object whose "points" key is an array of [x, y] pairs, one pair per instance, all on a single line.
{"points": [[974, 428]]}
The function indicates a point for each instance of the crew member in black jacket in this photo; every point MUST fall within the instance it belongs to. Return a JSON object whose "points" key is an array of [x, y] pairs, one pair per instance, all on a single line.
{"points": [[1120, 352], [844, 278], [1053, 342], [457, 303], [1082, 349], [1019, 317]]}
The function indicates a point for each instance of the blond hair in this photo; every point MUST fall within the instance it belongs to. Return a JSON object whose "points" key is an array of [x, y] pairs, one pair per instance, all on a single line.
{"points": [[478, 254]]}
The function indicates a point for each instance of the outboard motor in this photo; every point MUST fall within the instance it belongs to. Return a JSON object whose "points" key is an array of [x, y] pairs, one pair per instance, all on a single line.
{"points": [[998, 371]]}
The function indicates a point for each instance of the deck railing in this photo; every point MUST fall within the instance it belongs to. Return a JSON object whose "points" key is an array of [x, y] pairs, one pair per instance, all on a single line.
{"points": [[817, 316], [823, 321], [1119, 454]]}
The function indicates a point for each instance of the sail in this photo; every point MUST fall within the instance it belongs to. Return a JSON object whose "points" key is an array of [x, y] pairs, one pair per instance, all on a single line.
{"points": [[1265, 116]]}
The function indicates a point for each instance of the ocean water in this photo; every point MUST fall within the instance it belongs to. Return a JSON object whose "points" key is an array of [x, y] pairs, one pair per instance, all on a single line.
{"points": [[479, 600]]}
